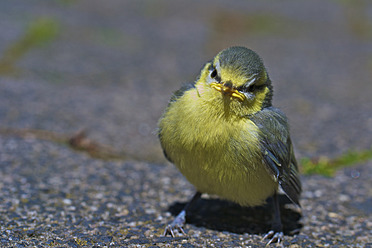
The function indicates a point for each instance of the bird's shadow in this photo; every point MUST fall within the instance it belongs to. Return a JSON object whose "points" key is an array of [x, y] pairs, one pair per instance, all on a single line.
{"points": [[223, 215]]}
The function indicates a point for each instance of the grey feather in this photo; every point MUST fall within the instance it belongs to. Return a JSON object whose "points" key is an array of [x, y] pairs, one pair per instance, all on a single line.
{"points": [[277, 150]]}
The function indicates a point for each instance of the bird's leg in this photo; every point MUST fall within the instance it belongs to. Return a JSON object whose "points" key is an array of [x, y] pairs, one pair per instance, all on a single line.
{"points": [[276, 232], [180, 220]]}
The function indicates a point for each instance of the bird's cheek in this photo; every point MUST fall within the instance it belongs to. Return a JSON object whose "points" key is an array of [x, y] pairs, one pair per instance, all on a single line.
{"points": [[249, 97]]}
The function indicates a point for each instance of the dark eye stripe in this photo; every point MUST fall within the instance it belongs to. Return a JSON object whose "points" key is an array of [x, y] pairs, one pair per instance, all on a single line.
{"points": [[251, 88], [260, 87]]}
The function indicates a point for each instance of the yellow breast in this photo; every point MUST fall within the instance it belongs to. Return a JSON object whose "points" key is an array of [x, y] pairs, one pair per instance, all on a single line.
{"points": [[216, 151]]}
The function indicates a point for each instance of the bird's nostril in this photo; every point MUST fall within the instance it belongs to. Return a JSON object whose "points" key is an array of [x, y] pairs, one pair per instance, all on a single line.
{"points": [[228, 84]]}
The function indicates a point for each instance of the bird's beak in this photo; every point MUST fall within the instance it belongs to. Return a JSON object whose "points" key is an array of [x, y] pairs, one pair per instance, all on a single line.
{"points": [[228, 89]]}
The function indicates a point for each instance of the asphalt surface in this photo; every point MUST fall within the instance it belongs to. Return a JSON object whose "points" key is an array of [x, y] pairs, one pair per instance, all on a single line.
{"points": [[110, 71]]}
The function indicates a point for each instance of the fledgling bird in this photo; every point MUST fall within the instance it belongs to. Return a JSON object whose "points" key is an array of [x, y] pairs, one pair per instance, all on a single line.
{"points": [[227, 139]]}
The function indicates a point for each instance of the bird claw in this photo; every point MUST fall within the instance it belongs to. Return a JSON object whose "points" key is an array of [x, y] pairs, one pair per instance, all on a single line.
{"points": [[274, 237], [177, 224], [171, 228]]}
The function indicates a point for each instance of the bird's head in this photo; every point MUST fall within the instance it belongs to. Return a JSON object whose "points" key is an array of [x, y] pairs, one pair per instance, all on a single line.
{"points": [[236, 77]]}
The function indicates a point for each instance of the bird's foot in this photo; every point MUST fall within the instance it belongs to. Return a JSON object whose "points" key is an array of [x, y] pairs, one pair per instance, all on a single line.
{"points": [[176, 225], [274, 237]]}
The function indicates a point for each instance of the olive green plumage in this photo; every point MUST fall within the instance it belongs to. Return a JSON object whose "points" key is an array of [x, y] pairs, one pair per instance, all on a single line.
{"points": [[224, 135]]}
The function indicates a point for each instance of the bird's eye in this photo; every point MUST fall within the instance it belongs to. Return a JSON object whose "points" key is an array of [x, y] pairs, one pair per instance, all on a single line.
{"points": [[251, 88], [214, 73]]}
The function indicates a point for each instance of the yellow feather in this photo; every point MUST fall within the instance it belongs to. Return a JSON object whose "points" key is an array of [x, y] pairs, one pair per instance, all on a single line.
{"points": [[216, 148]]}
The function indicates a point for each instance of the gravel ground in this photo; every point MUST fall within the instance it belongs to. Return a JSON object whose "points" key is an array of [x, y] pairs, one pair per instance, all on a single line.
{"points": [[53, 196], [111, 70]]}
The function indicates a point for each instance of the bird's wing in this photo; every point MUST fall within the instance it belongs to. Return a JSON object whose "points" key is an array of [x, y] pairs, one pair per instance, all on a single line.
{"points": [[277, 150]]}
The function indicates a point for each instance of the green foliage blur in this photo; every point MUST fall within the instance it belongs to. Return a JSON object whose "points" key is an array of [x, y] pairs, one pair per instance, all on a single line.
{"points": [[39, 33], [327, 167]]}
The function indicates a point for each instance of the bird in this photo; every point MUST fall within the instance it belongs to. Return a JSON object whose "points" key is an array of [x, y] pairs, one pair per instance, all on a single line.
{"points": [[226, 138]]}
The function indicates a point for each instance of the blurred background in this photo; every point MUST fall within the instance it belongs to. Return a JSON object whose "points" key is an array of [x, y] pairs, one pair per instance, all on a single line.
{"points": [[109, 67]]}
